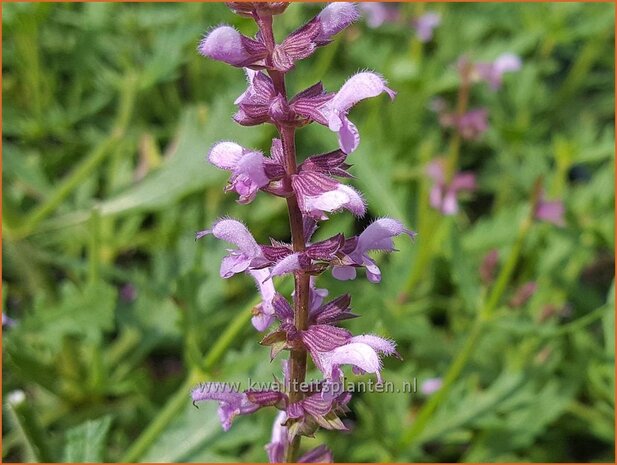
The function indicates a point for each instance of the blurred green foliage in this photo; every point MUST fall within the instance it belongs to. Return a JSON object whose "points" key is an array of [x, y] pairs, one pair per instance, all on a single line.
{"points": [[108, 113]]}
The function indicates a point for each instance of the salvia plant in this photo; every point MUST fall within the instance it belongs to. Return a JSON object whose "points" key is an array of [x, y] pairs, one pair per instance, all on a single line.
{"points": [[306, 325]]}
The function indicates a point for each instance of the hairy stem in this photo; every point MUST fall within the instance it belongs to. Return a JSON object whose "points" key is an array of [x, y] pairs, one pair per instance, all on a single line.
{"points": [[297, 357]]}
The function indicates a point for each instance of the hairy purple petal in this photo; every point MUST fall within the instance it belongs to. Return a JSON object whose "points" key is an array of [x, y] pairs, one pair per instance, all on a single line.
{"points": [[231, 402], [229, 46], [226, 155], [378, 235], [334, 18], [357, 88], [248, 252], [381, 345], [288, 264], [236, 233], [247, 168], [343, 197], [357, 354]]}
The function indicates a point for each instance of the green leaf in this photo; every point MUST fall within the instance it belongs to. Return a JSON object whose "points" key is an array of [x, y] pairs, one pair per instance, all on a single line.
{"points": [[86, 443], [86, 313]]}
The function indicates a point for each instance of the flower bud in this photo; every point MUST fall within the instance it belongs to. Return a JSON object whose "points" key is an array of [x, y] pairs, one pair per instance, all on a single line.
{"points": [[334, 18], [229, 46]]}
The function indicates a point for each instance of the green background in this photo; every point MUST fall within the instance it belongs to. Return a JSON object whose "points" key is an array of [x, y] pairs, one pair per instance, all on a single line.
{"points": [[108, 112]]}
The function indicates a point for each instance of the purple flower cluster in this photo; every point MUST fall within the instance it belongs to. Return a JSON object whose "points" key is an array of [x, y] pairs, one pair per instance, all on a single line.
{"points": [[313, 189], [468, 124], [444, 195]]}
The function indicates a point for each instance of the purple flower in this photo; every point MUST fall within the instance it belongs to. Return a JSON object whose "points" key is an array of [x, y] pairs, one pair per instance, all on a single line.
{"points": [[425, 24], [231, 402], [263, 313], [254, 102], [378, 13], [247, 168], [377, 236], [473, 123], [430, 386], [492, 72], [358, 87], [444, 196], [247, 255], [523, 294], [229, 46], [312, 191], [361, 352], [335, 17], [550, 211], [318, 194], [280, 439]]}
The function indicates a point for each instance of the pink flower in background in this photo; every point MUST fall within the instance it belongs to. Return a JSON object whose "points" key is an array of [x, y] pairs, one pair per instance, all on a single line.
{"points": [[430, 386], [523, 294], [443, 195], [550, 211], [378, 13], [492, 72], [425, 25], [472, 124]]}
